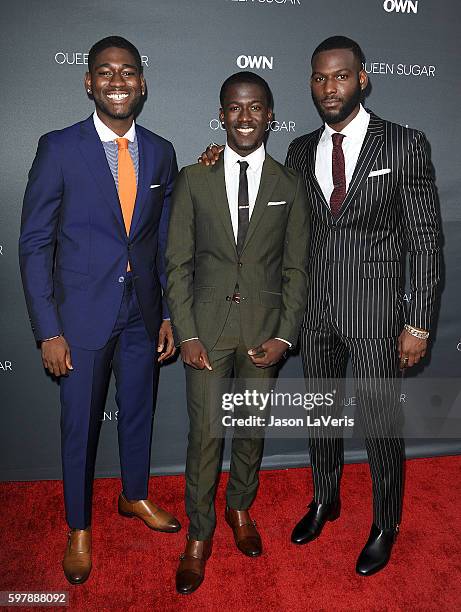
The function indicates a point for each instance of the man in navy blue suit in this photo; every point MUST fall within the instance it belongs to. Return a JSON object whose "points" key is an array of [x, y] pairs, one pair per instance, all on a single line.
{"points": [[93, 233]]}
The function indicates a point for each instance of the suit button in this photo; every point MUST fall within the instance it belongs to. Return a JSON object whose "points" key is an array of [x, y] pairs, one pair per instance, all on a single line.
{"points": [[129, 247], [121, 279], [240, 264], [228, 298]]}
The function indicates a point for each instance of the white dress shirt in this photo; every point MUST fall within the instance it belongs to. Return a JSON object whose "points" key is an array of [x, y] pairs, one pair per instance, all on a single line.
{"points": [[232, 175], [107, 135], [108, 140], [354, 134]]}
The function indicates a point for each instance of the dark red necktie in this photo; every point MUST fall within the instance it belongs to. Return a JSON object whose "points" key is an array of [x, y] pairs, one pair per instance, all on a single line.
{"points": [[339, 174]]}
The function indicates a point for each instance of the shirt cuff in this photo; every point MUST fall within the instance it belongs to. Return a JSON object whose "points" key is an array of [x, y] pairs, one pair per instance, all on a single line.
{"points": [[286, 341], [188, 339]]}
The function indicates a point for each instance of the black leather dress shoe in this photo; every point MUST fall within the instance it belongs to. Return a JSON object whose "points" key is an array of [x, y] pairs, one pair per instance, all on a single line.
{"points": [[377, 551], [310, 526]]}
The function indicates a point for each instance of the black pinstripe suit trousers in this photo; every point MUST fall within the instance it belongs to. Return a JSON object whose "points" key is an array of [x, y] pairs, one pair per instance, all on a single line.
{"points": [[376, 371]]}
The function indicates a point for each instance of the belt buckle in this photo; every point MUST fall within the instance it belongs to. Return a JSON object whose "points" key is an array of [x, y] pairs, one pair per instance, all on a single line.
{"points": [[236, 298]]}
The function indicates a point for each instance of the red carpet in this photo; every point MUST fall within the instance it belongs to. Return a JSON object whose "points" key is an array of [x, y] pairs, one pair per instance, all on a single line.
{"points": [[134, 568]]}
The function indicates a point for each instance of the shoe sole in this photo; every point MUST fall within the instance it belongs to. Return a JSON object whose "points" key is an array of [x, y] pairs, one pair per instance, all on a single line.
{"points": [[131, 515]]}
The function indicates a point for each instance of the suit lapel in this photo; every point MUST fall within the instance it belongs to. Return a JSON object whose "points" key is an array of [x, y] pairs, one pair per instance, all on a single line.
{"points": [[93, 152], [269, 179], [217, 185], [216, 180], [371, 146], [311, 151], [146, 164]]}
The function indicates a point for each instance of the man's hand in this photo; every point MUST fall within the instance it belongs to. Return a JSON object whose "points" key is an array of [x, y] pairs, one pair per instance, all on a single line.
{"points": [[194, 354], [56, 356], [411, 349], [211, 155], [268, 353], [166, 346]]}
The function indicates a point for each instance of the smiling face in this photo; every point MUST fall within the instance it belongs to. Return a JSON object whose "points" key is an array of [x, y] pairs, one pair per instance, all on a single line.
{"points": [[245, 114], [337, 83], [116, 85]]}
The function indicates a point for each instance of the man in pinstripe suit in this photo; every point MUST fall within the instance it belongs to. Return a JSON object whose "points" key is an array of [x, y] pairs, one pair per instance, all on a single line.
{"points": [[373, 200]]}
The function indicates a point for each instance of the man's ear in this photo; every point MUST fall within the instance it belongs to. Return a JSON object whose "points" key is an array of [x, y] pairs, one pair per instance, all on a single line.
{"points": [[363, 80], [87, 82]]}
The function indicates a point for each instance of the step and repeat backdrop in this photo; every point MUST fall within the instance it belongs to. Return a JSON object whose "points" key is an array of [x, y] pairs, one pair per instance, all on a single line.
{"points": [[188, 48]]}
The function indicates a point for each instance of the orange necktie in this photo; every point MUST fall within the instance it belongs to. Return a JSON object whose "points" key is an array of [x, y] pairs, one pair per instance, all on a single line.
{"points": [[126, 183]]}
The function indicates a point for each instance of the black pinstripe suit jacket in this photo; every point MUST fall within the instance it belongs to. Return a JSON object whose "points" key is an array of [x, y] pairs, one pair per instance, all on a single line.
{"points": [[357, 261]]}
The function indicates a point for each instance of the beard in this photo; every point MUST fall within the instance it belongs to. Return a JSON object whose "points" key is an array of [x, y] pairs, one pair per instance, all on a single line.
{"points": [[338, 116]]}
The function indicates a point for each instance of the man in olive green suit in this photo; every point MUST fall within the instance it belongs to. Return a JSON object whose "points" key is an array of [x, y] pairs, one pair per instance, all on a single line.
{"points": [[236, 263]]}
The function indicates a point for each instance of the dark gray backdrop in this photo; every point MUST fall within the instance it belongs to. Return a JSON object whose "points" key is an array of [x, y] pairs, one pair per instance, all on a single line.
{"points": [[191, 46]]}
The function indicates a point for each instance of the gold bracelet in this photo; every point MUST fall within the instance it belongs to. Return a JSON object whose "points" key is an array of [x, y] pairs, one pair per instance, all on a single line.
{"points": [[422, 334]]}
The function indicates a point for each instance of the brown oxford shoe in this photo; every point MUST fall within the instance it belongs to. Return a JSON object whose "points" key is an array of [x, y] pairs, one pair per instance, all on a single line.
{"points": [[246, 535], [153, 516], [77, 556], [191, 569]]}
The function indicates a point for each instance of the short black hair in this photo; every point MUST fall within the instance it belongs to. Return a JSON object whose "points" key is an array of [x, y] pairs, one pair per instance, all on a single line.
{"points": [[113, 41], [340, 42], [246, 77]]}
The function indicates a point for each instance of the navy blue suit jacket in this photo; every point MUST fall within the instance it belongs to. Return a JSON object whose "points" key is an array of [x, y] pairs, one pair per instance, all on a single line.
{"points": [[73, 246]]}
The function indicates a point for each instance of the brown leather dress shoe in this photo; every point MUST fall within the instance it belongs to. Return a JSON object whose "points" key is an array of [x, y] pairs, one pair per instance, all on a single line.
{"points": [[246, 535], [191, 569], [77, 556], [153, 516]]}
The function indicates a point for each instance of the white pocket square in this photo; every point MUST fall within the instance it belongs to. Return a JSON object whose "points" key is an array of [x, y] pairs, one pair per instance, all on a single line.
{"points": [[276, 203], [154, 186], [379, 172]]}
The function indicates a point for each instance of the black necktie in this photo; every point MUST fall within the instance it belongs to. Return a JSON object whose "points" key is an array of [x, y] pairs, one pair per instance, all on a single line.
{"points": [[243, 205]]}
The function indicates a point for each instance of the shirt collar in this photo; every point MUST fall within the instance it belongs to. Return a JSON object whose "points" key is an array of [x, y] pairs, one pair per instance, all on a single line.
{"points": [[355, 130], [255, 160], [107, 135]]}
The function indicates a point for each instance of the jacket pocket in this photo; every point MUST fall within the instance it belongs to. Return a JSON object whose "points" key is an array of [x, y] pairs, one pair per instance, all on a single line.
{"points": [[270, 299], [380, 269]]}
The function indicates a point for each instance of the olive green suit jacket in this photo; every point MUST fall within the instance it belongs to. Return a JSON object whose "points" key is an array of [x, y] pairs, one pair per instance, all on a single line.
{"points": [[203, 266]]}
